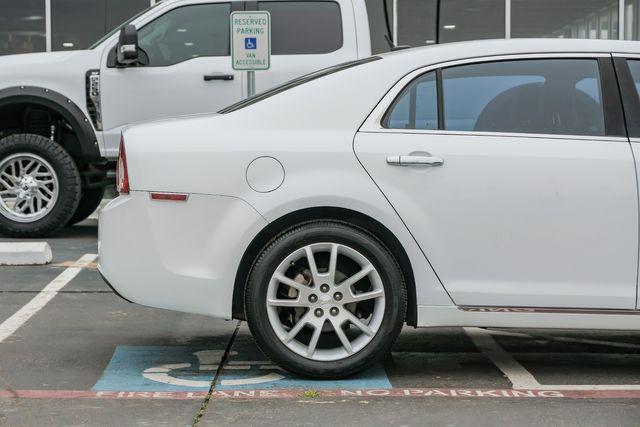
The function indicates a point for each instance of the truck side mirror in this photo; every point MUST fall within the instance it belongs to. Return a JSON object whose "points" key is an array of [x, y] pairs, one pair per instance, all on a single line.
{"points": [[127, 49]]}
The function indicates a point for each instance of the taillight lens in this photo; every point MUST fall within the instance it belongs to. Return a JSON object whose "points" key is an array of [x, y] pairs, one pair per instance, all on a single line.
{"points": [[122, 176]]}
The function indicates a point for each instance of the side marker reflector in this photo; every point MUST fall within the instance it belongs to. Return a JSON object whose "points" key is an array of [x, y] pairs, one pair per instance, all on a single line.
{"points": [[176, 197]]}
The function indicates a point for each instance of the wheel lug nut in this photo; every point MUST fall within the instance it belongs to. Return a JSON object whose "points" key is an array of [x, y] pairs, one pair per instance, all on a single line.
{"points": [[313, 298], [318, 312], [334, 311], [324, 287], [337, 296]]}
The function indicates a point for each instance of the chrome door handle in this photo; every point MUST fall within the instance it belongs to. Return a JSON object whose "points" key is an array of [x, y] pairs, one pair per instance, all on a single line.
{"points": [[414, 161]]}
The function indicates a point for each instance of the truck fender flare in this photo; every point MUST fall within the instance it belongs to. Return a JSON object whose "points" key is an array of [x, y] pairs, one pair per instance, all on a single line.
{"points": [[72, 113]]}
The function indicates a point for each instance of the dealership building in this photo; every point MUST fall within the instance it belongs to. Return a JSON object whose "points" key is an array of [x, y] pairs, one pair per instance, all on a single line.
{"points": [[54, 25]]}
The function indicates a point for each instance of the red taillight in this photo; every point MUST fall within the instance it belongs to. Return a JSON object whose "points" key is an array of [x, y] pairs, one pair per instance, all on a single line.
{"points": [[122, 176]]}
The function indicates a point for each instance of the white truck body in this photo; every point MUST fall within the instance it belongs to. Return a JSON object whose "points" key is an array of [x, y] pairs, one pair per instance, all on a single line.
{"points": [[82, 100]]}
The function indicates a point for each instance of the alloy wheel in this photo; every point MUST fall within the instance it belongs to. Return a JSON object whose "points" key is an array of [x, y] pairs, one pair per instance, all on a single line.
{"points": [[325, 301], [28, 187]]}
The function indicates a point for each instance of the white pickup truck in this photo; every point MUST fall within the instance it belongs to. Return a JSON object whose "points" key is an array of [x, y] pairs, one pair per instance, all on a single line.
{"points": [[61, 113]]}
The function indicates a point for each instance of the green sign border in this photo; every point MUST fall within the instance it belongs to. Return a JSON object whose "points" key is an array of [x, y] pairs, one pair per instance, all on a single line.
{"points": [[246, 12]]}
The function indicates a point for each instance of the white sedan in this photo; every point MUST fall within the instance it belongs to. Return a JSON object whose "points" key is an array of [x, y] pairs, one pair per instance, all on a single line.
{"points": [[488, 184]]}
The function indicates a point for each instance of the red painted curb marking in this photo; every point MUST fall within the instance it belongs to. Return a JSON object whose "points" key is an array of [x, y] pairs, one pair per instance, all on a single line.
{"points": [[297, 394]]}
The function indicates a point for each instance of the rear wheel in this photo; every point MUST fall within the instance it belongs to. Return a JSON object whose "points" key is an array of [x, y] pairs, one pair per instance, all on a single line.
{"points": [[39, 186], [325, 300]]}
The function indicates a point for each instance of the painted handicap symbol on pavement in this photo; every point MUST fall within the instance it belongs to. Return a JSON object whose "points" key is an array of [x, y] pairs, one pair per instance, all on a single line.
{"points": [[187, 368]]}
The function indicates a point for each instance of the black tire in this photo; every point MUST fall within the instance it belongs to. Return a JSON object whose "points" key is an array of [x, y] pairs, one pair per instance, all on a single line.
{"points": [[89, 202], [316, 232], [68, 181]]}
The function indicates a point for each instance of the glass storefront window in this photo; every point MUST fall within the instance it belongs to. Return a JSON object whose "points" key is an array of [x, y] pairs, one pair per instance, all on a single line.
{"points": [[592, 19], [417, 22], [22, 26], [119, 11], [380, 31], [632, 20], [471, 20], [77, 24]]}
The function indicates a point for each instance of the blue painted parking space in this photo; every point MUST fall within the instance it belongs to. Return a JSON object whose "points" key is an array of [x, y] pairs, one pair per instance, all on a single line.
{"points": [[189, 368]]}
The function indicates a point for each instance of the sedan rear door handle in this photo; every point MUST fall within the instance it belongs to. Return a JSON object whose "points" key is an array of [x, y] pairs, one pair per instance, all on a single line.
{"points": [[414, 161], [225, 77]]}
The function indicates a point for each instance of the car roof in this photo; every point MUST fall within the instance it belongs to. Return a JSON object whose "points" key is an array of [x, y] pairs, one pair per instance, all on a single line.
{"points": [[445, 52]]}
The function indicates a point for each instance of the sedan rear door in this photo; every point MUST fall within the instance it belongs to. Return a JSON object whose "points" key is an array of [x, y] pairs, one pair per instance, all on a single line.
{"points": [[515, 177]]}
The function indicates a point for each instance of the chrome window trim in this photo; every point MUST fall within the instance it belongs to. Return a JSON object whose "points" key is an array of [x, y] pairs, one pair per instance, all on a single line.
{"points": [[373, 123], [500, 134], [626, 55]]}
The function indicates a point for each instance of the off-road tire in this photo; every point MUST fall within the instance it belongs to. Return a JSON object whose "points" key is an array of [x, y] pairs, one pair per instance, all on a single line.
{"points": [[68, 181]]}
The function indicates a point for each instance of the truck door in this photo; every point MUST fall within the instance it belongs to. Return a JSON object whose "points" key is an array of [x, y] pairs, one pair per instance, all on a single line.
{"points": [[306, 36], [189, 70]]}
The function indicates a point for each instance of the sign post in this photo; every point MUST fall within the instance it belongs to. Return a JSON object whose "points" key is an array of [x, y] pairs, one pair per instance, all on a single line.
{"points": [[251, 44]]}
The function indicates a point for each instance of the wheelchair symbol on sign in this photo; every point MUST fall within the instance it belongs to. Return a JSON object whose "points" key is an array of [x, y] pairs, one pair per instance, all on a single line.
{"points": [[250, 43], [209, 361]]}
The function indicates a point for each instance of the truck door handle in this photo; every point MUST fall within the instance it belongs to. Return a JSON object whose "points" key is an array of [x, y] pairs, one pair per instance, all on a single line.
{"points": [[414, 161], [225, 77]]}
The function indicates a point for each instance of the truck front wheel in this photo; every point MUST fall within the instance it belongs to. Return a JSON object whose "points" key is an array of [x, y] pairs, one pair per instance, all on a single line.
{"points": [[40, 186]]}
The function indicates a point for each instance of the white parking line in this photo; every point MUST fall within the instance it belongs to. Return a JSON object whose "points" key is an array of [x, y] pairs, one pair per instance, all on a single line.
{"points": [[515, 372], [13, 323], [519, 376]]}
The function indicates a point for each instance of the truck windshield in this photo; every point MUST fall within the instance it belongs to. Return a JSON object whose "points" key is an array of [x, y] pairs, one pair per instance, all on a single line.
{"points": [[295, 82], [116, 29]]}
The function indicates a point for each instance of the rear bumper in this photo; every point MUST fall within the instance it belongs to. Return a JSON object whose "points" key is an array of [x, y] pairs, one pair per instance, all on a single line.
{"points": [[176, 255]]}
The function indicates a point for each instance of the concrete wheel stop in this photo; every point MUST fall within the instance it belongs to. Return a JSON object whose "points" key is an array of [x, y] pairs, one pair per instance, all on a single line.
{"points": [[25, 253]]}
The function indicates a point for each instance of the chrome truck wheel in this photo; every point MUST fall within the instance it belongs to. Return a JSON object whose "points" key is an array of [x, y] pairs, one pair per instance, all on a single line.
{"points": [[28, 187], [39, 186]]}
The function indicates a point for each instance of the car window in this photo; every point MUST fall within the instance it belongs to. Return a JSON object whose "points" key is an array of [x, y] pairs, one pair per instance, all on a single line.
{"points": [[187, 32], [634, 67], [547, 96], [304, 27], [416, 107]]}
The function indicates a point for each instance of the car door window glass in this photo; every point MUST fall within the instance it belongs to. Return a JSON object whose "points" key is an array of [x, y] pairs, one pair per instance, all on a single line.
{"points": [[634, 67], [547, 96], [187, 32], [304, 27], [416, 107]]}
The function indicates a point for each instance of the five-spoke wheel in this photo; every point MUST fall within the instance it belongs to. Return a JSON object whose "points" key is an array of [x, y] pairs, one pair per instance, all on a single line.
{"points": [[325, 299]]}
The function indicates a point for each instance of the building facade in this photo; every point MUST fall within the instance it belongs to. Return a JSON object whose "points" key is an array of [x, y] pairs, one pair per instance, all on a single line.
{"points": [[54, 25]]}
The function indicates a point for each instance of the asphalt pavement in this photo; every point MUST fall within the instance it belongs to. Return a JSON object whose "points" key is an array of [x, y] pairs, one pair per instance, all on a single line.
{"points": [[86, 357]]}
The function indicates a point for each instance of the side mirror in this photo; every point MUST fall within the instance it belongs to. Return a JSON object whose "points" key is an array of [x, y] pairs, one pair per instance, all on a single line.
{"points": [[127, 49]]}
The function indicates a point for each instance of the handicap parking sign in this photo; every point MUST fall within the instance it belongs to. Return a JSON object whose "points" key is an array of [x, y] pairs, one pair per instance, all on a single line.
{"points": [[250, 43]]}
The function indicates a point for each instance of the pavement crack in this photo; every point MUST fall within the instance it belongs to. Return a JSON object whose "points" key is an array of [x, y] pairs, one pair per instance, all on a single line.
{"points": [[214, 381], [8, 387]]}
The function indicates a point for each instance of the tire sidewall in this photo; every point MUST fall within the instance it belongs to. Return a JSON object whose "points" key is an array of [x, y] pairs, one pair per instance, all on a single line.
{"points": [[68, 182], [368, 246]]}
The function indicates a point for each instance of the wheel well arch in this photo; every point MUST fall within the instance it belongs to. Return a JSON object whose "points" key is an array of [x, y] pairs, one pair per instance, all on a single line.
{"points": [[266, 235], [79, 139]]}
